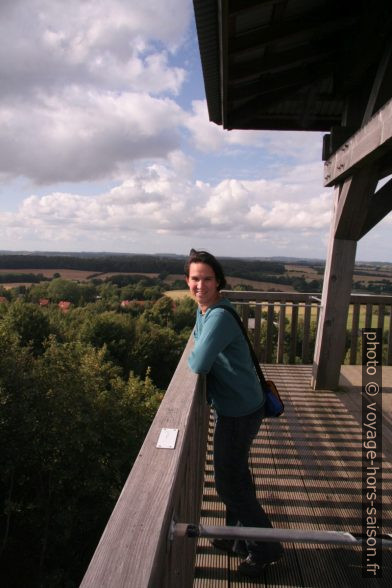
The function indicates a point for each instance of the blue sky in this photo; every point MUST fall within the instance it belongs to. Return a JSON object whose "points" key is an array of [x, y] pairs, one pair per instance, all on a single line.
{"points": [[106, 143]]}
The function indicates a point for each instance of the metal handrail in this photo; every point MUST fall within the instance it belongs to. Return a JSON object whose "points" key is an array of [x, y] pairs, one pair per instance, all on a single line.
{"points": [[276, 534]]}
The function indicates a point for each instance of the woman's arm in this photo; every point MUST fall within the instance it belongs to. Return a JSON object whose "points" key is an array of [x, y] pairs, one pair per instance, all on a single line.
{"points": [[218, 331]]}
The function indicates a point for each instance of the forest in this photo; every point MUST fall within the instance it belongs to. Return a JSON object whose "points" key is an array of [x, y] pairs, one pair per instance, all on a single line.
{"points": [[78, 391], [131, 263]]}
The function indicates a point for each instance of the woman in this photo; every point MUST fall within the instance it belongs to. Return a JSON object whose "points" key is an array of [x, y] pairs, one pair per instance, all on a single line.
{"points": [[235, 393]]}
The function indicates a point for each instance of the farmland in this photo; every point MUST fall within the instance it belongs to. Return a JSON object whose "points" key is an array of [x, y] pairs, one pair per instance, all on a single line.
{"points": [[298, 276]]}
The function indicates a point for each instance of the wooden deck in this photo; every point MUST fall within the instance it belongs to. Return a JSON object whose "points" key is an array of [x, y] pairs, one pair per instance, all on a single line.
{"points": [[307, 469]]}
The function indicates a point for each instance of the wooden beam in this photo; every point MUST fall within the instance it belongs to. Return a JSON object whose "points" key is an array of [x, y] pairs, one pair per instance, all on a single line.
{"points": [[385, 166], [379, 206], [354, 202], [331, 333], [379, 80], [257, 66], [300, 30], [335, 300], [289, 123], [239, 6], [368, 145], [291, 78], [247, 111], [223, 44]]}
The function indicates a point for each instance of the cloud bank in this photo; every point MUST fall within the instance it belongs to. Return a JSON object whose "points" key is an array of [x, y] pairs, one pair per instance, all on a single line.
{"points": [[160, 200], [88, 86], [98, 97]]}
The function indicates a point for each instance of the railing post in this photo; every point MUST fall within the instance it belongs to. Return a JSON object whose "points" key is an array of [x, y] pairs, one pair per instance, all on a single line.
{"points": [[257, 331], [354, 334], [281, 333], [306, 335], [389, 351]]}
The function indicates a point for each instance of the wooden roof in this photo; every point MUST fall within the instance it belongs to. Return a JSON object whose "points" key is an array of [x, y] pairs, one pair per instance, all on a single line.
{"points": [[293, 64]]}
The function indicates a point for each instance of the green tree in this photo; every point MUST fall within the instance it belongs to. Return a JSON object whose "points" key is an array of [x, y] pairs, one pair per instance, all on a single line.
{"points": [[109, 293], [156, 350], [184, 314], [60, 289], [38, 291], [87, 293], [113, 331], [161, 312], [29, 323], [71, 428]]}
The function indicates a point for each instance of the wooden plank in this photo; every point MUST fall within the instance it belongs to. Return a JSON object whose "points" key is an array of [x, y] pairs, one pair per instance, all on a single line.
{"points": [[211, 566], [380, 317], [257, 333], [354, 202], [251, 295], [371, 299], [331, 332], [284, 297], [354, 334], [245, 316], [293, 333], [378, 82], [328, 439], [306, 334], [381, 205], [281, 333], [270, 331], [366, 146], [368, 317], [263, 349]]}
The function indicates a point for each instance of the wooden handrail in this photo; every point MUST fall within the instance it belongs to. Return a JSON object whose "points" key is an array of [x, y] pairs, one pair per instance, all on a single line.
{"points": [[136, 548]]}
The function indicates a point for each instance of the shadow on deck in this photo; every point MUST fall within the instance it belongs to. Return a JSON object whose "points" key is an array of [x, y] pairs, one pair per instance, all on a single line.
{"points": [[307, 470]]}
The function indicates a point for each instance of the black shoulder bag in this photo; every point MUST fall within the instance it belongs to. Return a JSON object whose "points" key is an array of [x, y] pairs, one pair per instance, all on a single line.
{"points": [[274, 406]]}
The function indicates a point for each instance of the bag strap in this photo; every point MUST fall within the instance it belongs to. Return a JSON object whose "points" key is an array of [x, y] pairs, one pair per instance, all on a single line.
{"points": [[252, 351]]}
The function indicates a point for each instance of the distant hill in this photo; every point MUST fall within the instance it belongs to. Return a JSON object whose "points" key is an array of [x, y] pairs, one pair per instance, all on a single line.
{"points": [[179, 256]]}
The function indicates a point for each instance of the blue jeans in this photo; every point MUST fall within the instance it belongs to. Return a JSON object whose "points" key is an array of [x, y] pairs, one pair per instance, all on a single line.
{"points": [[233, 438]]}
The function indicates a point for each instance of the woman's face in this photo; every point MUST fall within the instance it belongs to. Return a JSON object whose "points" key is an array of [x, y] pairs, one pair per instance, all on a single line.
{"points": [[203, 285]]}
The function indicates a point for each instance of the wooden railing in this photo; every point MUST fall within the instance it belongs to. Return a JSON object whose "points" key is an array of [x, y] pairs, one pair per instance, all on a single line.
{"points": [[165, 485], [370, 311], [282, 325]]}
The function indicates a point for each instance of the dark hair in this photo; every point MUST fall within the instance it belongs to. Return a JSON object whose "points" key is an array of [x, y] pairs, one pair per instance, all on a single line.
{"points": [[207, 258]]}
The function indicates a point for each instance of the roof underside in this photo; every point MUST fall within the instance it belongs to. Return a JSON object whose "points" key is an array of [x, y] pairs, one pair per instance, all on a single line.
{"points": [[291, 64]]}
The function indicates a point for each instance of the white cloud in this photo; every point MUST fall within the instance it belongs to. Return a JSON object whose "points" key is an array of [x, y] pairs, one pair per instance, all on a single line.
{"points": [[85, 86], [262, 206], [117, 44], [78, 136], [161, 199], [208, 136]]}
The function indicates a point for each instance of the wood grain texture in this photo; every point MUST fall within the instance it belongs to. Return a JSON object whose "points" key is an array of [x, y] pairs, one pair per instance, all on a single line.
{"points": [[366, 146], [307, 471], [135, 549]]}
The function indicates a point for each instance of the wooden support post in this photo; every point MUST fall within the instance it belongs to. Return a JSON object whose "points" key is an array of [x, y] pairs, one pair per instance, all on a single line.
{"points": [[331, 333]]}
